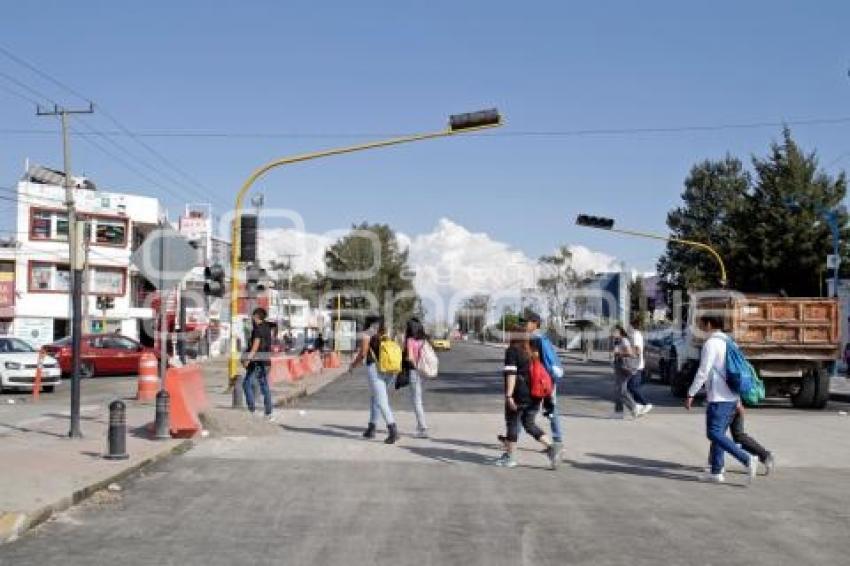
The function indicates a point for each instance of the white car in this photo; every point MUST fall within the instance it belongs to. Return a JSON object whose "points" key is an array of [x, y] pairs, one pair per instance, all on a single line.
{"points": [[18, 363]]}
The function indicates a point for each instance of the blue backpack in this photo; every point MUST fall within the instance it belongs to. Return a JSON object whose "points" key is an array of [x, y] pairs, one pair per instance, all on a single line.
{"points": [[741, 376]]}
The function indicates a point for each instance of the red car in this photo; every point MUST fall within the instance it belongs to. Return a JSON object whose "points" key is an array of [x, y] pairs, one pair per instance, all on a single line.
{"points": [[102, 354]]}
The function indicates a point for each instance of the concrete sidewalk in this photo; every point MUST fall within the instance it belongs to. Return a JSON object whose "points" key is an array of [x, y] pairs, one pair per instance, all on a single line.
{"points": [[44, 471]]}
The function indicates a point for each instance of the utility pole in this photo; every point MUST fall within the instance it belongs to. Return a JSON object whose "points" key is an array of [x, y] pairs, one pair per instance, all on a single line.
{"points": [[76, 235]]}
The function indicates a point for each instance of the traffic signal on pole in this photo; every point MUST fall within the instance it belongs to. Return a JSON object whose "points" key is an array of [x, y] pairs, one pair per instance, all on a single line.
{"points": [[253, 276], [480, 119], [214, 281], [595, 221], [248, 238]]}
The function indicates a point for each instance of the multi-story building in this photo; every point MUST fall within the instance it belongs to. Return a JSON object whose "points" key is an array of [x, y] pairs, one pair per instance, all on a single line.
{"points": [[34, 270]]}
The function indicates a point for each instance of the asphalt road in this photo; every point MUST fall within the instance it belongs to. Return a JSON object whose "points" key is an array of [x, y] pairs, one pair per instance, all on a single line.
{"points": [[316, 493]]}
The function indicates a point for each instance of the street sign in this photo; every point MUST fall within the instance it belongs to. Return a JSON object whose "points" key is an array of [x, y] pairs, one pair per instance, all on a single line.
{"points": [[165, 258], [831, 261]]}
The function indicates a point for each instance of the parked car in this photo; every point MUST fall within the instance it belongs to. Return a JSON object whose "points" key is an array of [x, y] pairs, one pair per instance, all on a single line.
{"points": [[658, 353], [18, 363], [102, 354]]}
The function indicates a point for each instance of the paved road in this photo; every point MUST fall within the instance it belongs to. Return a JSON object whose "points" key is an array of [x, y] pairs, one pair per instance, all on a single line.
{"points": [[316, 493]]}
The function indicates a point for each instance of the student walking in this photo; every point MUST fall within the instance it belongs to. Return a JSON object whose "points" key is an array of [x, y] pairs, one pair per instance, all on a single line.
{"points": [[369, 351], [624, 363], [414, 340], [748, 443], [520, 406], [541, 344], [256, 362], [635, 381], [722, 402]]}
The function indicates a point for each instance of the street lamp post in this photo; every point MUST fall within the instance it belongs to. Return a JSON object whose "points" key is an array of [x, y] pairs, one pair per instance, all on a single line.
{"points": [[603, 223], [458, 123]]}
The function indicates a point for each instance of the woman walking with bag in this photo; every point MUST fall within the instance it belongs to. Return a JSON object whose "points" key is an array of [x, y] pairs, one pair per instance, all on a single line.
{"points": [[414, 349], [623, 364], [369, 352], [520, 405]]}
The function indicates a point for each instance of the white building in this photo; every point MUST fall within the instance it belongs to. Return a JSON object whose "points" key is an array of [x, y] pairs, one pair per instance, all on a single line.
{"points": [[39, 308]]}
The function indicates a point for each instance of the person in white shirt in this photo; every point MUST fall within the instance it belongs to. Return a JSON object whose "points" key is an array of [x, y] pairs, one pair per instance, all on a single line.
{"points": [[636, 380], [722, 402]]}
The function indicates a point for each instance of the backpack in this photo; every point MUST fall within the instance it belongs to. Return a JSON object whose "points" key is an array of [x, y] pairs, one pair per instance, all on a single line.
{"points": [[741, 377], [428, 364], [539, 380], [389, 360]]}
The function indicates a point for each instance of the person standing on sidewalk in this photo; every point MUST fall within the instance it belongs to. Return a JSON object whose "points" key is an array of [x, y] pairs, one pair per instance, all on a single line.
{"points": [[520, 406], [257, 361], [636, 380], [414, 339], [541, 344], [624, 364], [379, 403], [722, 402]]}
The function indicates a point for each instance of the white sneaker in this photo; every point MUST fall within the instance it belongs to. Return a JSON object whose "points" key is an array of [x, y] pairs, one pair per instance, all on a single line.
{"points": [[646, 409], [707, 470], [271, 418], [712, 478], [769, 465], [752, 469]]}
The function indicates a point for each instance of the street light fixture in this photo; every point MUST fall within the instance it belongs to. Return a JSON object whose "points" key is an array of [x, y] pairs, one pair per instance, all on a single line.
{"points": [[603, 223], [458, 124]]}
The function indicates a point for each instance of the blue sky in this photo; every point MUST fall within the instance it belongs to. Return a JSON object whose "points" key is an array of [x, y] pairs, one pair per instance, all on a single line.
{"points": [[331, 68]]}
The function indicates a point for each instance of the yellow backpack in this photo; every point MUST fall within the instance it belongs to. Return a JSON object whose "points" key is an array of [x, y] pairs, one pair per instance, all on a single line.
{"points": [[389, 360]]}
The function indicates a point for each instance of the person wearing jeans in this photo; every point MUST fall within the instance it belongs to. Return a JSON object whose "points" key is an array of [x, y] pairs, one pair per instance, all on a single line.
{"points": [[258, 372], [722, 402], [414, 339], [379, 402], [636, 380], [256, 362], [552, 362]]}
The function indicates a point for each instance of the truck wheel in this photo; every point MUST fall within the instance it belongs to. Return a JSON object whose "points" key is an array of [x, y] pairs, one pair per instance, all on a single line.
{"points": [[49, 388], [805, 397], [822, 380]]}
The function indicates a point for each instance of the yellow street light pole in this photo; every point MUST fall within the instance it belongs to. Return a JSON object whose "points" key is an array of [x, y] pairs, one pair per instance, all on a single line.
{"points": [[607, 224], [459, 123]]}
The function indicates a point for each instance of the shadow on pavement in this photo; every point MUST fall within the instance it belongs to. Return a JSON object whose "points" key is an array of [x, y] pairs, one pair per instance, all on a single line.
{"points": [[448, 455], [320, 431]]}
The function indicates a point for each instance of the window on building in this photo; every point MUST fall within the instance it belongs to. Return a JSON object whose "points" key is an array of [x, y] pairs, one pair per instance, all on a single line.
{"points": [[48, 225], [110, 232], [106, 281], [49, 277]]}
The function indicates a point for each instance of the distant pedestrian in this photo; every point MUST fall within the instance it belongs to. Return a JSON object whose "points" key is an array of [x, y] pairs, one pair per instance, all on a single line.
{"points": [[520, 406], [636, 380], [722, 402], [257, 361], [541, 344], [319, 343], [624, 365], [414, 339], [368, 352]]}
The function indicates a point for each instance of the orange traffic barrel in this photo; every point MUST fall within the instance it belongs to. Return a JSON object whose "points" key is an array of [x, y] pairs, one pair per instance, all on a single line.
{"points": [[148, 377]]}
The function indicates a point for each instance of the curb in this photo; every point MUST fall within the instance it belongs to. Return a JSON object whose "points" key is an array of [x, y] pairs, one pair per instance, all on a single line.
{"points": [[306, 390], [15, 524]]}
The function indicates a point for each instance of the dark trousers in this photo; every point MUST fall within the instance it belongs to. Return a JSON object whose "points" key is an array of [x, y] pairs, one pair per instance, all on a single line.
{"points": [[634, 385], [524, 414], [258, 372], [746, 441]]}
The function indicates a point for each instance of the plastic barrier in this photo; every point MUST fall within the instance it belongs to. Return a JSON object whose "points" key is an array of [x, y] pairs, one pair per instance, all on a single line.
{"points": [[279, 370], [296, 372], [148, 382], [188, 399], [306, 363], [332, 360]]}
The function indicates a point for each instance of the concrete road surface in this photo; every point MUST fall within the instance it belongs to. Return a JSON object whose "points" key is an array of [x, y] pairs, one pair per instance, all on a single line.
{"points": [[317, 493]]}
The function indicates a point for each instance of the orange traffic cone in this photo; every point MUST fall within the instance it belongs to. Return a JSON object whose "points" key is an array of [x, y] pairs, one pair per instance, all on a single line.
{"points": [[148, 377]]}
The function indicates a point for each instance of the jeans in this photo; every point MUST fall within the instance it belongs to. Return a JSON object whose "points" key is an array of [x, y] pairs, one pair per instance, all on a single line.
{"points": [[622, 395], [380, 400], [634, 384], [550, 407], [718, 417], [257, 371], [524, 415], [416, 399], [746, 441]]}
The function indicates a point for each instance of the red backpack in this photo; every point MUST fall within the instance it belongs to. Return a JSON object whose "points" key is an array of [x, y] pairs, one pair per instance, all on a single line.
{"points": [[539, 380]]}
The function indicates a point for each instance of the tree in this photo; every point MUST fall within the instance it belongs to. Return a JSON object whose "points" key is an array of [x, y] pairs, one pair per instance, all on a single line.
{"points": [[638, 304], [472, 315], [351, 268], [764, 225], [557, 276]]}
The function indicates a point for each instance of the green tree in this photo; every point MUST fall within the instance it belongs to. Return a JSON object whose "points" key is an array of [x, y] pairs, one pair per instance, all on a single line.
{"points": [[386, 275], [638, 303]]}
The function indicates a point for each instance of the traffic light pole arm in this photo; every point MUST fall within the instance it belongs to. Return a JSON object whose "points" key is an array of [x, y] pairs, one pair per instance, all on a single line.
{"points": [[240, 197]]}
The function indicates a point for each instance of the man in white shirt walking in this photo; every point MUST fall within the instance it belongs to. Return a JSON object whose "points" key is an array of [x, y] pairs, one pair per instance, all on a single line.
{"points": [[722, 402], [636, 379]]}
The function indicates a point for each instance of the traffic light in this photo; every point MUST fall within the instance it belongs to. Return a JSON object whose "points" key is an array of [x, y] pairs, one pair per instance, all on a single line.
{"points": [[595, 221], [253, 275], [214, 281], [248, 238], [480, 119]]}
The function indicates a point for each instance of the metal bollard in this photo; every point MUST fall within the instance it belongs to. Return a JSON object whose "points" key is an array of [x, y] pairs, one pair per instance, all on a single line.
{"points": [[161, 420], [238, 400], [117, 433]]}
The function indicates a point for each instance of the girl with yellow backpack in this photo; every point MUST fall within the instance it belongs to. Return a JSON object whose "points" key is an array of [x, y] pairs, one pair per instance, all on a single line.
{"points": [[382, 357]]}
